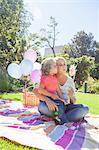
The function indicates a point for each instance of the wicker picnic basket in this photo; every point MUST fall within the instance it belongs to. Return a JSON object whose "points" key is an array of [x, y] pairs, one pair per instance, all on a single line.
{"points": [[30, 99]]}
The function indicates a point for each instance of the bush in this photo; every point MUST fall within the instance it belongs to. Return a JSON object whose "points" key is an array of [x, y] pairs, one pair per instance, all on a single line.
{"points": [[9, 84], [93, 85], [5, 82]]}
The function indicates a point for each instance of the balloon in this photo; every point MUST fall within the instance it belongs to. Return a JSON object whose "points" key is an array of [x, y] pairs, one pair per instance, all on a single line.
{"points": [[30, 55], [37, 66], [14, 70], [26, 67], [35, 76]]}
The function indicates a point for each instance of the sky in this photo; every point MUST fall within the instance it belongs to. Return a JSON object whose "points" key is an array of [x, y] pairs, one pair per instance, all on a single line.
{"points": [[72, 16]]}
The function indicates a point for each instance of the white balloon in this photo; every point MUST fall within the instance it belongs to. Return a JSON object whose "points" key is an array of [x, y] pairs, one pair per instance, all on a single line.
{"points": [[14, 70], [26, 67], [37, 66]]}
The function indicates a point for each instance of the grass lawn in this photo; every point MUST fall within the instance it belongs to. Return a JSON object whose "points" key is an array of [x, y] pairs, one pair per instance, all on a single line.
{"points": [[6, 144], [92, 100]]}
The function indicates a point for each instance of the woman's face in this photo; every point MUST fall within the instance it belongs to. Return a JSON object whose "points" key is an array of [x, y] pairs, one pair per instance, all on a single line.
{"points": [[61, 66]]}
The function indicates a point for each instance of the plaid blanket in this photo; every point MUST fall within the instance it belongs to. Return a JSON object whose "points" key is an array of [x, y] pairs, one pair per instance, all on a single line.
{"points": [[25, 126]]}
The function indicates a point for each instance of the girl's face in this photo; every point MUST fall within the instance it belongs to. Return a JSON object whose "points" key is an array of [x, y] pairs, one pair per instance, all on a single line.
{"points": [[61, 66], [53, 70]]}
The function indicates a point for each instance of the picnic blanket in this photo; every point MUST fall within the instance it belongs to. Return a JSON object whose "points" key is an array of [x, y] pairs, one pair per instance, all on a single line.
{"points": [[25, 126]]}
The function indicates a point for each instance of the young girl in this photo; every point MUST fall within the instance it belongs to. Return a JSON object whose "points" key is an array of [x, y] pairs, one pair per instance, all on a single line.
{"points": [[49, 87]]}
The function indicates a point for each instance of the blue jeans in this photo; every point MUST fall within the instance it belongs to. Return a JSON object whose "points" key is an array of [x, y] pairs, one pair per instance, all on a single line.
{"points": [[68, 113]]}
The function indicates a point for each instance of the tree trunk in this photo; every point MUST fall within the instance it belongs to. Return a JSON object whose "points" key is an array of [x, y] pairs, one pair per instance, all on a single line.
{"points": [[53, 52]]}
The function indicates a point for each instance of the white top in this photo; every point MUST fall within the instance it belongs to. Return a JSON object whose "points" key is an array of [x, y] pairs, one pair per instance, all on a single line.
{"points": [[68, 84]]}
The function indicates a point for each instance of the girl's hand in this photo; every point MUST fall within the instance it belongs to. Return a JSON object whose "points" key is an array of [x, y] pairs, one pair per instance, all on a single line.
{"points": [[51, 105], [55, 96]]}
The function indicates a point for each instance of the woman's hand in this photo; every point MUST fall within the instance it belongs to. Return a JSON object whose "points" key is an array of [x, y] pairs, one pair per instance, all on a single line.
{"points": [[71, 95], [51, 105], [71, 92]]}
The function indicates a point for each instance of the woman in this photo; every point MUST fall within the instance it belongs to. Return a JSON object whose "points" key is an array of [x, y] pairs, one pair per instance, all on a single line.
{"points": [[73, 112]]}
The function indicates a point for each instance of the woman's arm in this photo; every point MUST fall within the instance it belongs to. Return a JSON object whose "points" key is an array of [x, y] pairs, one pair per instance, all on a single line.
{"points": [[71, 91], [51, 105], [59, 92], [72, 97]]}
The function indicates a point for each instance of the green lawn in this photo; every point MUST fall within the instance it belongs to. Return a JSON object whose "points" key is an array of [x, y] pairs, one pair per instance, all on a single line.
{"points": [[92, 100], [6, 144]]}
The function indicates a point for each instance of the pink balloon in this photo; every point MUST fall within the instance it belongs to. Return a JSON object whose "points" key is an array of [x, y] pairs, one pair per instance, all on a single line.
{"points": [[35, 76], [31, 55]]}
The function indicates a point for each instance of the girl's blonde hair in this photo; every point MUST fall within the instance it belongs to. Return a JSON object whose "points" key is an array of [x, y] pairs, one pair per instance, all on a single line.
{"points": [[46, 65]]}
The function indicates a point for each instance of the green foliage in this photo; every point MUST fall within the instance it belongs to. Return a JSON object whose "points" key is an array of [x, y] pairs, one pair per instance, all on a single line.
{"points": [[34, 41], [67, 50], [82, 44], [84, 65], [93, 85], [5, 82], [95, 71], [97, 53], [66, 56], [13, 25]]}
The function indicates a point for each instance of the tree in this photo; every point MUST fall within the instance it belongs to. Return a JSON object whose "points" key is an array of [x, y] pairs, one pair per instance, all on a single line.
{"points": [[66, 50], [95, 71], [50, 35], [83, 44], [13, 26], [97, 53], [34, 41], [84, 65]]}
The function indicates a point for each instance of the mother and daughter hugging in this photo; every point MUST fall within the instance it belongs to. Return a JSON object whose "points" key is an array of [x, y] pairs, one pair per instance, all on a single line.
{"points": [[56, 92]]}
